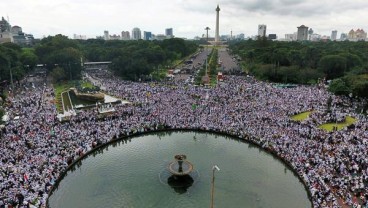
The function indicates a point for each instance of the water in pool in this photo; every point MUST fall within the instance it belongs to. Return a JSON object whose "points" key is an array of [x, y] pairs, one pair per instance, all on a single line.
{"points": [[131, 174]]}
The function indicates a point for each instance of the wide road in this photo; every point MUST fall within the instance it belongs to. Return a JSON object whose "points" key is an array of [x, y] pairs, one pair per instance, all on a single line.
{"points": [[229, 63], [201, 57]]}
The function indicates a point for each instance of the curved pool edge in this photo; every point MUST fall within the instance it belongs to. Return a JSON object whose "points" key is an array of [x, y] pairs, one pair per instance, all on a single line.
{"points": [[245, 139]]}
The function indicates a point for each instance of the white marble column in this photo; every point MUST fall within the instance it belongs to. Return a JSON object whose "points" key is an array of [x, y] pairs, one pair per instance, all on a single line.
{"points": [[217, 36]]}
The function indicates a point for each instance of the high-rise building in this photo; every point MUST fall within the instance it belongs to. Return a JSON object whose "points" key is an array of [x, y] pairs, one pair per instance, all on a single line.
{"points": [[106, 35], [302, 33], [272, 36], [290, 37], [343, 36], [359, 34], [136, 33], [114, 37], [125, 35], [14, 34], [5, 34], [334, 35], [315, 37], [147, 35], [310, 33], [241, 36], [16, 30], [4, 25], [262, 30], [169, 32]]}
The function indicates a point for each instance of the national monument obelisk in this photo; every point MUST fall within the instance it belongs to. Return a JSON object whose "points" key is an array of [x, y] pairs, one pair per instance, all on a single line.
{"points": [[217, 36]]}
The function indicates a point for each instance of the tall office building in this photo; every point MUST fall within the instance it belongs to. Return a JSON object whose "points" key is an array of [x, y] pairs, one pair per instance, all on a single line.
{"points": [[125, 35], [334, 35], [310, 33], [4, 25], [114, 37], [169, 32], [343, 36], [106, 35], [5, 34], [16, 30], [14, 34], [136, 33], [262, 30], [241, 36], [302, 33], [359, 34], [147, 35], [290, 37]]}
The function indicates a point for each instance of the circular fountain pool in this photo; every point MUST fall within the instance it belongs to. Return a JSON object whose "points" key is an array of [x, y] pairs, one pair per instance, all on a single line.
{"points": [[130, 173]]}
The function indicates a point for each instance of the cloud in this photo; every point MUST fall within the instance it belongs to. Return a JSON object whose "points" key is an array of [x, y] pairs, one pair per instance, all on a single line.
{"points": [[300, 8], [188, 18]]}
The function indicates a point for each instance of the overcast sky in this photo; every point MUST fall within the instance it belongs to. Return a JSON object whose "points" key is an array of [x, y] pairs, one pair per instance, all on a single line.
{"points": [[188, 18]]}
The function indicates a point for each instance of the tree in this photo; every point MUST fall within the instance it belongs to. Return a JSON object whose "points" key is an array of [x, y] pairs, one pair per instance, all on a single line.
{"points": [[63, 52], [313, 56], [339, 87], [333, 66], [360, 88], [296, 58], [58, 74], [358, 84], [4, 66], [352, 60], [28, 58]]}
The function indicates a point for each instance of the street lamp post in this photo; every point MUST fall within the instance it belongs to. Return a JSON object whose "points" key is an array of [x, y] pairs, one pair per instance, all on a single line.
{"points": [[215, 167], [207, 29]]}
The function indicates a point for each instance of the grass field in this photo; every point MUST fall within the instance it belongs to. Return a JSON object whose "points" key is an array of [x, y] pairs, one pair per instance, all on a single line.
{"points": [[329, 126], [301, 116], [87, 84]]}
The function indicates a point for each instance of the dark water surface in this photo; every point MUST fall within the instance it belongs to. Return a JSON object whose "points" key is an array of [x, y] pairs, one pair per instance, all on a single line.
{"points": [[127, 175]]}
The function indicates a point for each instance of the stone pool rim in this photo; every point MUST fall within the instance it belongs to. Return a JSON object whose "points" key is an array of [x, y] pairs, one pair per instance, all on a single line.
{"points": [[148, 132]]}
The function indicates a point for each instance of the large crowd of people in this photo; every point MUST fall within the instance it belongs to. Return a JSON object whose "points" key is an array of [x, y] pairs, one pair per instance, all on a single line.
{"points": [[36, 147]]}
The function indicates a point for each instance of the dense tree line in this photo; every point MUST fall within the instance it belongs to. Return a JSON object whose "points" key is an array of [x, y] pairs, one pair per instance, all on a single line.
{"points": [[62, 56], [16, 61], [137, 59], [307, 62]]}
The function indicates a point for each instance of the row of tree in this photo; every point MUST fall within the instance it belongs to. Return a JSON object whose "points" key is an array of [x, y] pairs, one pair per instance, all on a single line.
{"points": [[15, 61], [306, 62], [130, 59], [62, 57]]}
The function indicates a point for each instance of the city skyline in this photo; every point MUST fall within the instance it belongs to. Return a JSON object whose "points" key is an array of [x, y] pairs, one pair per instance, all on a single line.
{"points": [[187, 17]]}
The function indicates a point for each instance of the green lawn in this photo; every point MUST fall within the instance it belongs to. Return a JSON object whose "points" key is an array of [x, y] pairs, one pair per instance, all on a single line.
{"points": [[87, 84], [301, 116], [61, 87], [329, 126]]}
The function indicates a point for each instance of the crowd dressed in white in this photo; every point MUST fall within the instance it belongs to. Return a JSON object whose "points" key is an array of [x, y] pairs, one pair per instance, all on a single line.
{"points": [[36, 148]]}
